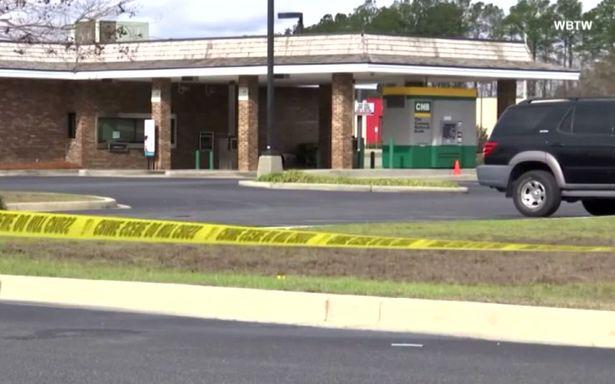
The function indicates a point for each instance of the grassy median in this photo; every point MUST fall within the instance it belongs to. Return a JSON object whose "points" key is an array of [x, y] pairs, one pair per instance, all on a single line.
{"points": [[552, 279], [40, 197], [589, 231], [302, 177]]}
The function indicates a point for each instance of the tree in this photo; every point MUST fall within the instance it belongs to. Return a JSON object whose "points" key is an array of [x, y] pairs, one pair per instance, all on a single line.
{"points": [[596, 80], [387, 20], [363, 16], [533, 20], [600, 40], [484, 21], [33, 21], [568, 41], [432, 18]]}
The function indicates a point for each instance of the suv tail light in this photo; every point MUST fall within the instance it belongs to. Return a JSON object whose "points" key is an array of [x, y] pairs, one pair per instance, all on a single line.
{"points": [[489, 148]]}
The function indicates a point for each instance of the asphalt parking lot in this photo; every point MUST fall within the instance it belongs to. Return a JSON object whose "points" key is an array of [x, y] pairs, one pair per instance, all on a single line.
{"points": [[223, 201]]}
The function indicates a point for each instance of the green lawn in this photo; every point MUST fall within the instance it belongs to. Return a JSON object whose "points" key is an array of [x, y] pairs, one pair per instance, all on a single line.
{"points": [[583, 295], [302, 177], [571, 231]]}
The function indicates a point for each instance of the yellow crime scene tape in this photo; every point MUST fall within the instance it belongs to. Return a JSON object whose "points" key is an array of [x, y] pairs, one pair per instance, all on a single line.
{"points": [[78, 227]]}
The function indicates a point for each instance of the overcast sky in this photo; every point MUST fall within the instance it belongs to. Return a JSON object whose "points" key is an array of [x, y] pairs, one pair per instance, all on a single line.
{"points": [[205, 18]]}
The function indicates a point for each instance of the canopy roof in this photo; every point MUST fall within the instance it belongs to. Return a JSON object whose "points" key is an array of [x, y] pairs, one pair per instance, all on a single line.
{"points": [[299, 58]]}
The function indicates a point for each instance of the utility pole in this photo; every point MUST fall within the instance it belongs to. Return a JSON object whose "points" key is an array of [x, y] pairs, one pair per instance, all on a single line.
{"points": [[271, 150], [271, 160]]}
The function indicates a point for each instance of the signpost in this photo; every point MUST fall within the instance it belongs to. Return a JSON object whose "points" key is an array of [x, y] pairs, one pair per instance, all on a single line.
{"points": [[364, 108], [149, 140]]}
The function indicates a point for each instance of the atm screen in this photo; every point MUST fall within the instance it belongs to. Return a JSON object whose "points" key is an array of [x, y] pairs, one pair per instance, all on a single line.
{"points": [[449, 133]]}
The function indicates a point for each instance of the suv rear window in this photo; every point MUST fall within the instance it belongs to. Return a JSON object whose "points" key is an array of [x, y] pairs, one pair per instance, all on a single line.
{"points": [[527, 119]]}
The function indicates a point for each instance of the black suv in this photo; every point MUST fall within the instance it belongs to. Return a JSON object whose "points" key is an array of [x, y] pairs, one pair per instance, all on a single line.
{"points": [[543, 151]]}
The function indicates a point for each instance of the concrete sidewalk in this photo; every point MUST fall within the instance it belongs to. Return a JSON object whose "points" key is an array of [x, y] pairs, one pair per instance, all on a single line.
{"points": [[131, 173], [447, 174], [574, 327], [466, 175]]}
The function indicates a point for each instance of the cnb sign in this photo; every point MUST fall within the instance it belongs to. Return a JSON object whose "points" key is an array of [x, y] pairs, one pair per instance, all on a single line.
{"points": [[422, 106]]}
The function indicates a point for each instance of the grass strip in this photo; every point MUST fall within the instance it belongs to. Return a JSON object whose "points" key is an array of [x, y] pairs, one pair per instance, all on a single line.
{"points": [[302, 177], [592, 231], [577, 295]]}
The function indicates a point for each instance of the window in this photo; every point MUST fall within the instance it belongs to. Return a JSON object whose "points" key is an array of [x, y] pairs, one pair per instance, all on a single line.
{"points": [[395, 101], [128, 129], [125, 130], [71, 125], [529, 119], [566, 125], [592, 118]]}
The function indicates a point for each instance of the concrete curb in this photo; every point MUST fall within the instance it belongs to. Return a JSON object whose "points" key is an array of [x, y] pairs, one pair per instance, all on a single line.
{"points": [[574, 327], [119, 173], [204, 174], [133, 173], [347, 188], [53, 206], [35, 172]]}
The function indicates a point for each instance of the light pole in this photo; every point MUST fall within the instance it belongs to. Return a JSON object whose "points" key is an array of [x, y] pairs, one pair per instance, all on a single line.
{"points": [[271, 160], [293, 15], [270, 76]]}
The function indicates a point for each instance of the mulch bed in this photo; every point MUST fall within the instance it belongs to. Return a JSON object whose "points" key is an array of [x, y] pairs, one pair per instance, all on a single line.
{"points": [[416, 266]]}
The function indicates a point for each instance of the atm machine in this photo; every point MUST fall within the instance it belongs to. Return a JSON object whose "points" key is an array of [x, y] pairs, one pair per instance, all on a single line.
{"points": [[425, 127], [227, 152]]}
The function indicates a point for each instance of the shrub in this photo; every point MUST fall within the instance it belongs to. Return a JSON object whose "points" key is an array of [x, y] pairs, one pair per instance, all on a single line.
{"points": [[482, 137]]}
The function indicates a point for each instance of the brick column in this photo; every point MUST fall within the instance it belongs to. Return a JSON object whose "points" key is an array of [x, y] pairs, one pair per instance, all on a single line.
{"points": [[324, 126], [83, 146], [342, 114], [247, 127], [161, 113], [507, 94]]}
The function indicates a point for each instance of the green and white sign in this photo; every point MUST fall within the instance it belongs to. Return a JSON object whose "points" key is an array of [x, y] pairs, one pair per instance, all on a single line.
{"points": [[422, 106]]}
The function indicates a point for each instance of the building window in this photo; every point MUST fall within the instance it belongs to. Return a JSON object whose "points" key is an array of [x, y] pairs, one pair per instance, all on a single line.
{"points": [[128, 129], [72, 125]]}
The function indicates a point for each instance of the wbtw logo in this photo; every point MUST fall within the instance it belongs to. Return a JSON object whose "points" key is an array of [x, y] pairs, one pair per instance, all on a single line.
{"points": [[573, 25]]}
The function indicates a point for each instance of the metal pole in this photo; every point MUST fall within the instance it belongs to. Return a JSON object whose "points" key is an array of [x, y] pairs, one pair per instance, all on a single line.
{"points": [[270, 76], [391, 155]]}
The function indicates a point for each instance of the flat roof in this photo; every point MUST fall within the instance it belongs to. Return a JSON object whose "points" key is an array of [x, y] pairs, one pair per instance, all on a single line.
{"points": [[300, 56]]}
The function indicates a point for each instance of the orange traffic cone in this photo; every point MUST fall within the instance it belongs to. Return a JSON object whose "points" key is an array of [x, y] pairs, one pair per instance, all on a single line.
{"points": [[457, 168]]}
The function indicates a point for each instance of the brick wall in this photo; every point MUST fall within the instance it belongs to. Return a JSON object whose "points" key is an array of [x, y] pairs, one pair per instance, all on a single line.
{"points": [[100, 99], [33, 121], [296, 122], [34, 113]]}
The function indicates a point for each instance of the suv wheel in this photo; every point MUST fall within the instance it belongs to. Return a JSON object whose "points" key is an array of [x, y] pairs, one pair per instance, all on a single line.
{"points": [[600, 207], [536, 194]]}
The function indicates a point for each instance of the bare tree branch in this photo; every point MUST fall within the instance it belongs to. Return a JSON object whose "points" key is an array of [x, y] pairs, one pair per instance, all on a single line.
{"points": [[33, 21]]}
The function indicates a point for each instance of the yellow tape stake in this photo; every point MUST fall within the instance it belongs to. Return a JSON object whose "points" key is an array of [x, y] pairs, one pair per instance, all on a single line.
{"points": [[77, 227]]}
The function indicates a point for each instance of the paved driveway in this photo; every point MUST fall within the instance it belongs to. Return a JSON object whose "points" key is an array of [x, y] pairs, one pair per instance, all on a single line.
{"points": [[223, 201], [57, 346]]}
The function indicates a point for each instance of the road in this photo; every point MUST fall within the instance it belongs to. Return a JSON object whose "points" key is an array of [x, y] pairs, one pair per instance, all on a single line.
{"points": [[57, 346], [223, 201]]}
